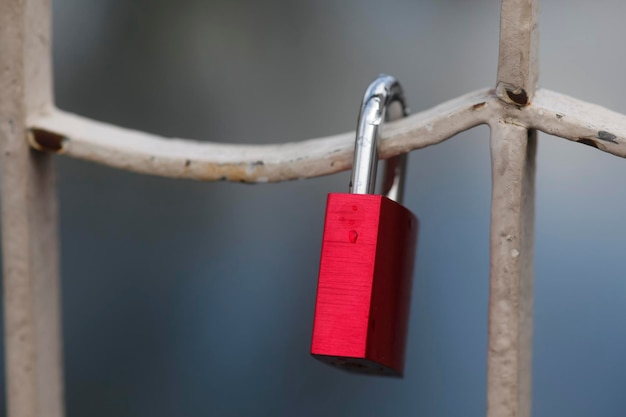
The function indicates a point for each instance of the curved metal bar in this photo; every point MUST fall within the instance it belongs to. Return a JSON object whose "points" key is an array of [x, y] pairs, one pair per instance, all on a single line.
{"points": [[79, 137]]}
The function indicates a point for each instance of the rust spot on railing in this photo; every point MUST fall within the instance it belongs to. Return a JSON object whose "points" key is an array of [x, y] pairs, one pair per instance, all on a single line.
{"points": [[518, 96], [512, 94], [603, 136], [46, 141], [589, 142]]}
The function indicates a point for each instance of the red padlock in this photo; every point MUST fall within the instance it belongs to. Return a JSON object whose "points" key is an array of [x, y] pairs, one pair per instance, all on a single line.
{"points": [[368, 248]]}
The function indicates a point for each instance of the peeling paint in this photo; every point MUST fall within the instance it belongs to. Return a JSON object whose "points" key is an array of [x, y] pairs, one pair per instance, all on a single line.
{"points": [[609, 137], [514, 122]]}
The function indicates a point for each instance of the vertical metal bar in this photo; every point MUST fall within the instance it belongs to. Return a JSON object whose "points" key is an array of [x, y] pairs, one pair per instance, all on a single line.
{"points": [[513, 154], [29, 217], [518, 65], [509, 361]]}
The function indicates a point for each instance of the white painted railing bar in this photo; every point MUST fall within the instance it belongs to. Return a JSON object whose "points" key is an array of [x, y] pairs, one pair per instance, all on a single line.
{"points": [[111, 145], [32, 324], [509, 363], [513, 151], [118, 147]]}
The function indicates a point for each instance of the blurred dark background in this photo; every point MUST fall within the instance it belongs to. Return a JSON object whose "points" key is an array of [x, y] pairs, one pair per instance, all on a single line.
{"points": [[194, 299]]}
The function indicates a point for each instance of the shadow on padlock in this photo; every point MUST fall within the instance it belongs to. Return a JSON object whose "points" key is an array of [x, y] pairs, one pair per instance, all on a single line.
{"points": [[368, 252]]}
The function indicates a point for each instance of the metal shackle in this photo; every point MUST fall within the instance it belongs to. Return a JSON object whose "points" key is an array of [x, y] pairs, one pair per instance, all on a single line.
{"points": [[384, 91]]}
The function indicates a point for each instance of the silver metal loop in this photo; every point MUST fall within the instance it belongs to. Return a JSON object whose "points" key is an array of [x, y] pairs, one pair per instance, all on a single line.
{"points": [[384, 91]]}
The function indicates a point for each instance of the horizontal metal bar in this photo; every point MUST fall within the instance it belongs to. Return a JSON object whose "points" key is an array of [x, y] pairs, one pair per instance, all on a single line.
{"points": [[550, 112]]}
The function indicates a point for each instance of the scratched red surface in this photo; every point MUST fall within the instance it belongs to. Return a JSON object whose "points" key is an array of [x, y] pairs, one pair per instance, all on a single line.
{"points": [[364, 285]]}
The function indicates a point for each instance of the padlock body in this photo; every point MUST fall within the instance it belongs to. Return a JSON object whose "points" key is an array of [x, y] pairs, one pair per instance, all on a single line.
{"points": [[364, 284]]}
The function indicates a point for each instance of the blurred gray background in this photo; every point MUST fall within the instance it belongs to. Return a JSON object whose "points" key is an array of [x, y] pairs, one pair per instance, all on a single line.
{"points": [[196, 299]]}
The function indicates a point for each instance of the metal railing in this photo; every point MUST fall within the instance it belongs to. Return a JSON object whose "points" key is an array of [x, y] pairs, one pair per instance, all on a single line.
{"points": [[514, 110]]}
